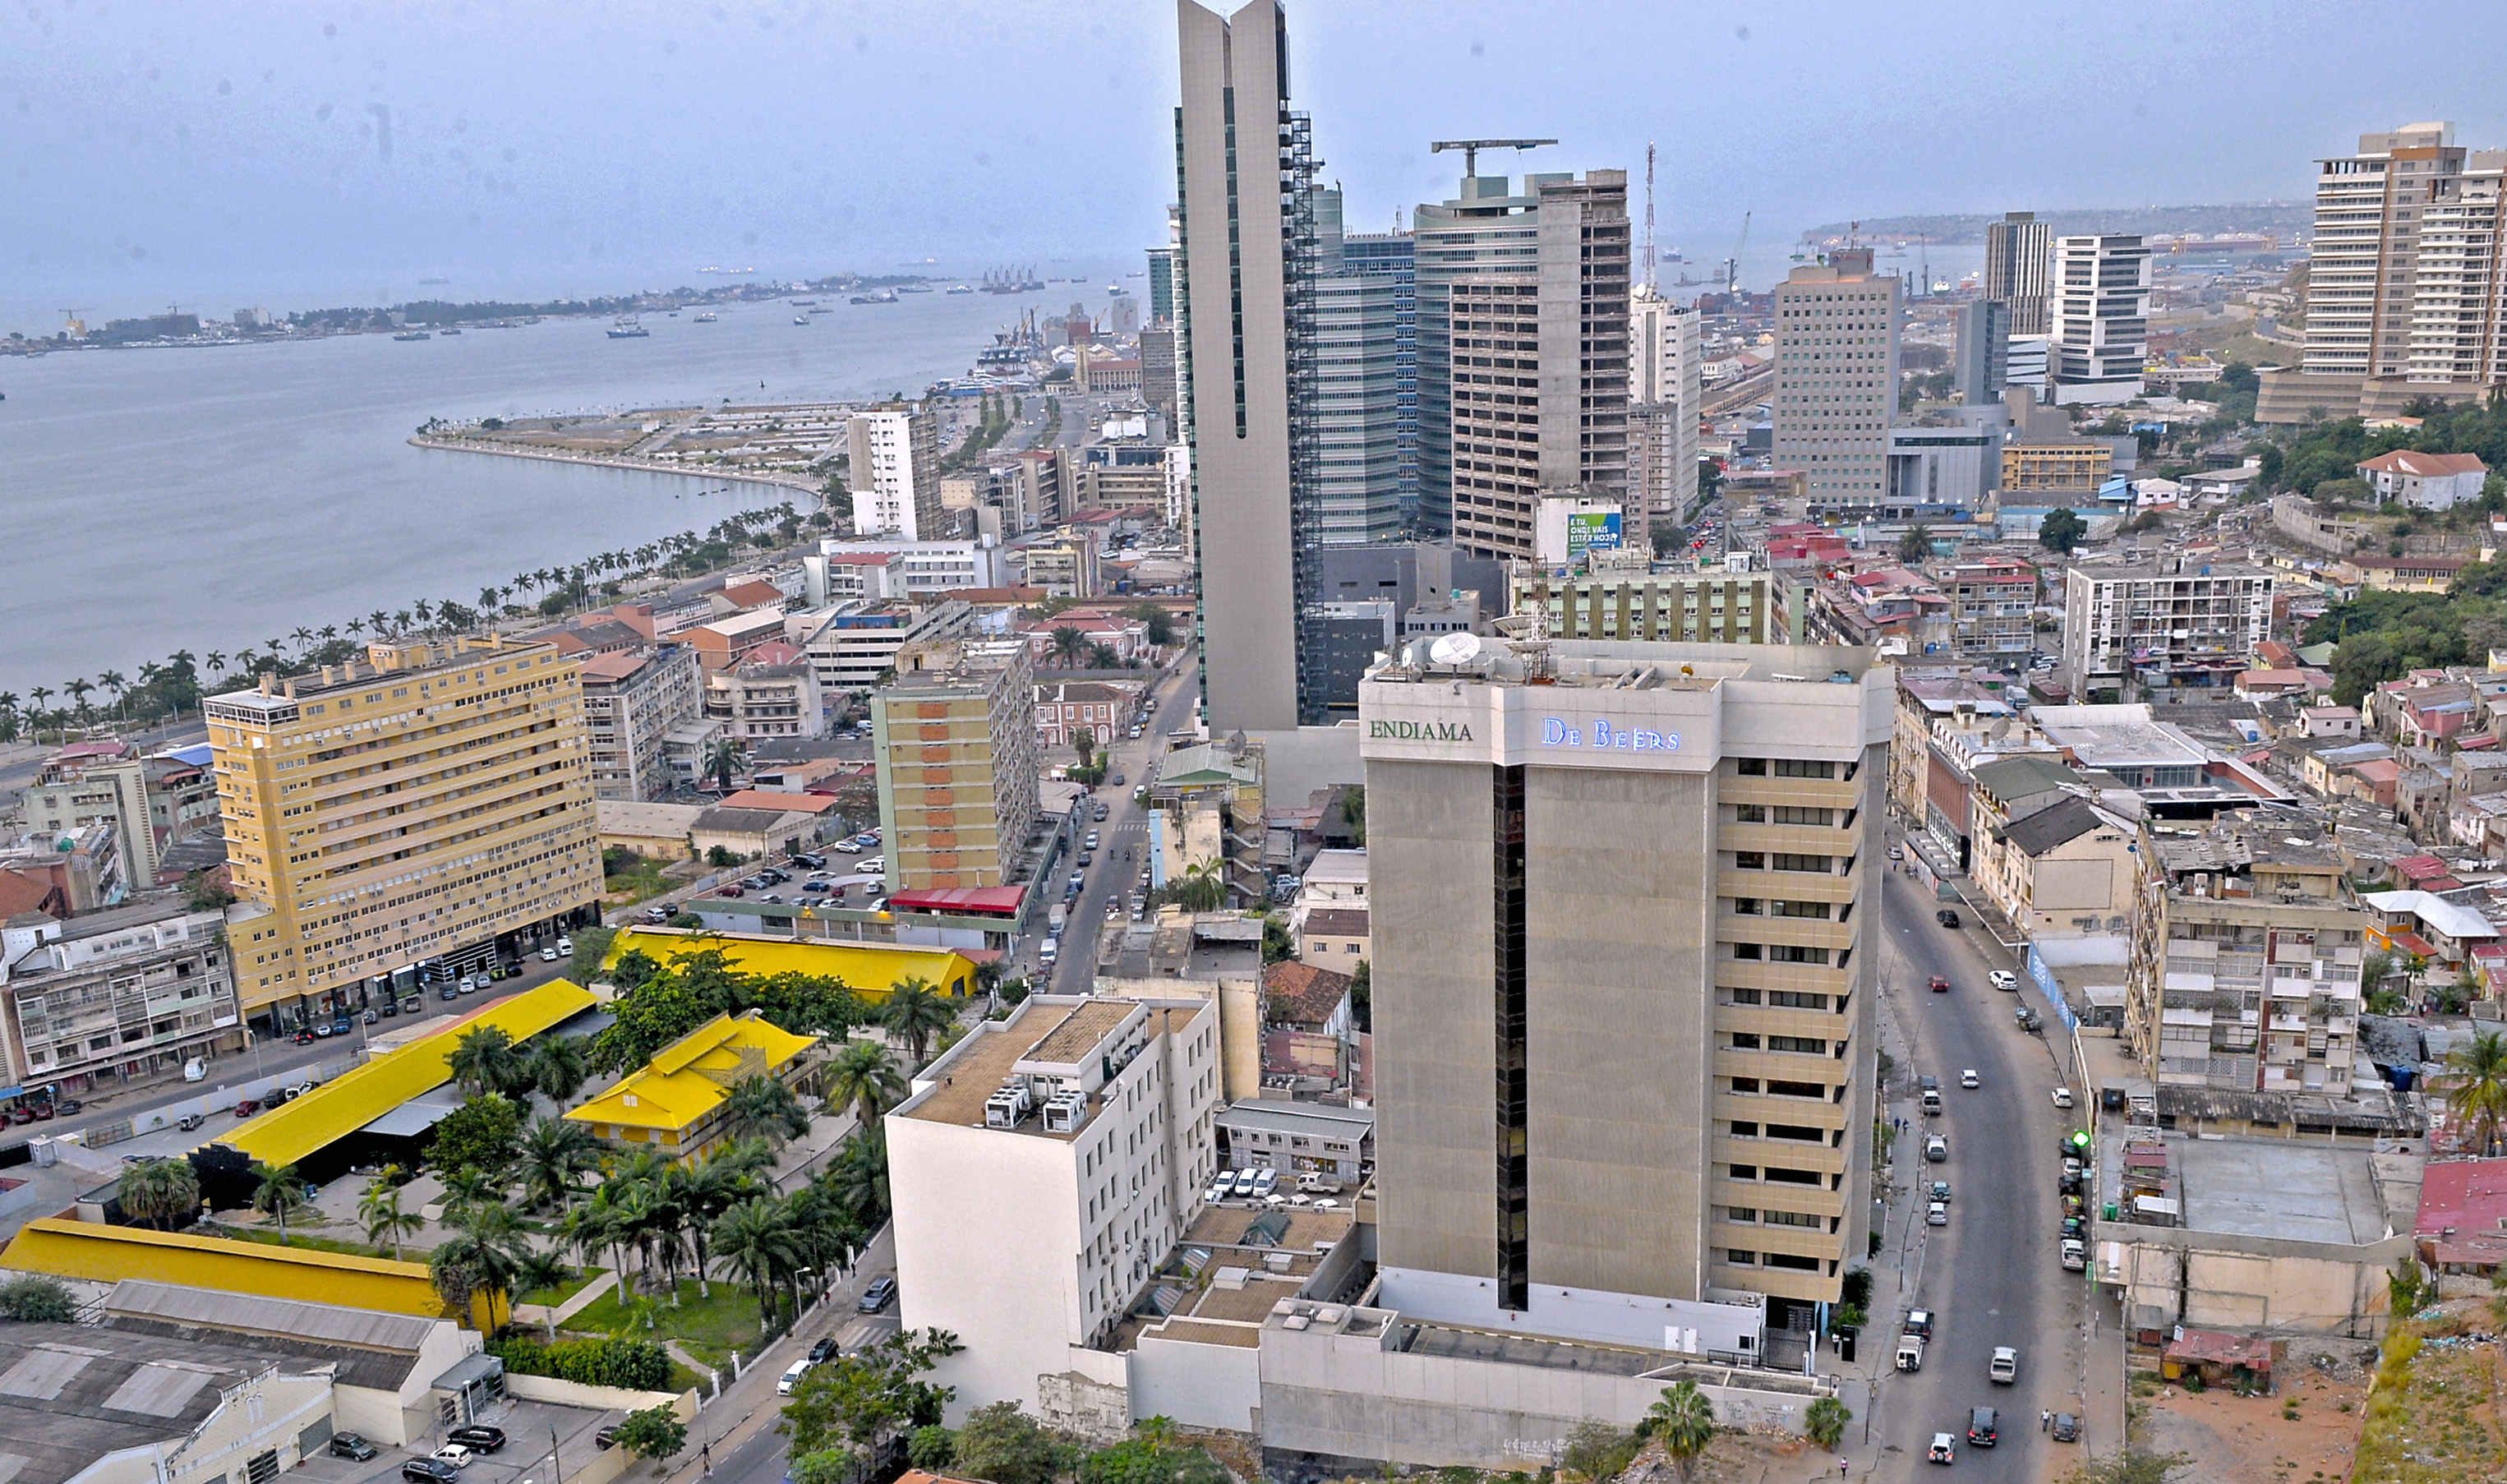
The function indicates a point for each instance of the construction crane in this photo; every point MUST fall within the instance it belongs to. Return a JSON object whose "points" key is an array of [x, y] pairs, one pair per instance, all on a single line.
{"points": [[1472, 148], [1648, 238], [1732, 264]]}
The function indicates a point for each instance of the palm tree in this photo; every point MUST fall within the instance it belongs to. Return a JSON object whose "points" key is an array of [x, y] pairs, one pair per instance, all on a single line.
{"points": [[857, 1185], [551, 1154], [591, 1229], [755, 1237], [280, 1190], [485, 1258], [2477, 1103], [702, 1193], [468, 1188], [862, 1079], [386, 1220], [559, 1065], [157, 1190], [486, 1060], [537, 1271], [763, 1107], [1683, 1421], [216, 661], [723, 762], [78, 691], [115, 681], [915, 1012], [1066, 646]]}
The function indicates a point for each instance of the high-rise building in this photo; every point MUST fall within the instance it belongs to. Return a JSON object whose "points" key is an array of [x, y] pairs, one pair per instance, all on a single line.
{"points": [[1837, 377], [1245, 178], [954, 737], [2405, 284], [2138, 626], [2098, 328], [73, 993], [1624, 899], [1158, 387], [1981, 366], [1555, 261], [1665, 369], [632, 699], [893, 469], [411, 811], [1523, 355], [1162, 295], [1357, 391], [2018, 269], [1391, 255]]}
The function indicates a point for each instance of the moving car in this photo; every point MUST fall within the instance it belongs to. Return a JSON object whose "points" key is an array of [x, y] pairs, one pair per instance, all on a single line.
{"points": [[2004, 1368], [1940, 986], [1937, 1148], [848, 847], [1980, 1428], [565, 946], [1946, 917], [824, 1351], [348, 1445], [478, 1436], [881, 1293], [1937, 1215], [1941, 1191], [549, 954], [2004, 979], [1939, 1451], [873, 865], [1969, 1079], [792, 1375], [247, 1107], [1911, 1352], [2062, 1097]]}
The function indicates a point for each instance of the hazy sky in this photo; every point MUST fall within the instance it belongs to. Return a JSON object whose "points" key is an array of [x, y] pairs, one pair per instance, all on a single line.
{"points": [[298, 154]]}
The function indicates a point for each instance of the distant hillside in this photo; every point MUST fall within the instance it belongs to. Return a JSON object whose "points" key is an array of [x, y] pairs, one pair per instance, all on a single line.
{"points": [[2282, 219]]}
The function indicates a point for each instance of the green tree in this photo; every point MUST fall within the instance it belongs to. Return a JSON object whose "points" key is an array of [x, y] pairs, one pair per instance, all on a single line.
{"points": [[541, 1272], [485, 1061], [1362, 996], [915, 1012], [1007, 1446], [763, 1107], [1597, 1450], [549, 1157], [37, 1298], [2477, 1102], [837, 1466], [864, 1079], [723, 761], [756, 1238], [1066, 644], [859, 1402], [560, 1064], [2061, 531], [276, 1191], [655, 1433], [660, 1010], [591, 946], [931, 1449], [1916, 544], [1156, 620], [1683, 1421], [478, 1136], [1825, 1420], [385, 1220], [482, 1260], [159, 1190]]}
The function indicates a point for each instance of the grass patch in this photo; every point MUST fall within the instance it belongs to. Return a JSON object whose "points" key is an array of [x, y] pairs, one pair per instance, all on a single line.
{"points": [[268, 1237], [2432, 1419], [710, 1328], [562, 1292]]}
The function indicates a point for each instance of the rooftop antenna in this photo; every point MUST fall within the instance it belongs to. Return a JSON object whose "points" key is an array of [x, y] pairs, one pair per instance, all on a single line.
{"points": [[1649, 241], [1472, 148]]}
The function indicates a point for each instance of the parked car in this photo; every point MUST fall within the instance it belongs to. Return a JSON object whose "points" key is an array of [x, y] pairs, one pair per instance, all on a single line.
{"points": [[606, 1437], [348, 1445], [1919, 1321], [2066, 1428], [1937, 1215], [2076, 1256], [549, 954], [873, 865], [2062, 1097], [1264, 1182], [371, 1017], [1219, 1190], [304, 1037], [881, 1293], [1090, 843], [479, 1437], [565, 946], [429, 1472], [1245, 1182], [2004, 979], [812, 861], [1937, 1148], [190, 1121], [1940, 1192], [1946, 917], [247, 1107], [455, 1454], [469, 984], [451, 992], [848, 847], [792, 1376]]}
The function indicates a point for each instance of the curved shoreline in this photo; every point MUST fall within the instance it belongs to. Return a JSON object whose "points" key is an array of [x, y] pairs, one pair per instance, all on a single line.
{"points": [[619, 461]]}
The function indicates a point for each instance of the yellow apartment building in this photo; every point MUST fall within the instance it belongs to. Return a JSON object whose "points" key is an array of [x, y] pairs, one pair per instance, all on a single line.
{"points": [[2070, 467], [955, 739], [401, 815]]}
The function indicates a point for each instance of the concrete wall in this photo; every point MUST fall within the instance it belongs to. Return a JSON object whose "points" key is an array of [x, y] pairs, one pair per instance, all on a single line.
{"points": [[1682, 1325], [2210, 1280], [1196, 1384]]}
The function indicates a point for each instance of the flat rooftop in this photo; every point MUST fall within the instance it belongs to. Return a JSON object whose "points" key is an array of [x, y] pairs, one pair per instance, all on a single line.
{"points": [[1057, 1033], [1522, 1350], [1610, 663], [2339, 1195]]}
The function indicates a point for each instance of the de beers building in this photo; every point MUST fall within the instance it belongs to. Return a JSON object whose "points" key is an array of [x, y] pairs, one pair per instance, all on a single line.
{"points": [[1624, 1004]]}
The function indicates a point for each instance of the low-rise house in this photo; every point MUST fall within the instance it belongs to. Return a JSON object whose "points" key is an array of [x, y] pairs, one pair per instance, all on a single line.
{"points": [[2426, 926], [2337, 721], [91, 1406], [2065, 871], [674, 1105], [1300, 1138], [1104, 706], [1331, 937], [2462, 1222], [1310, 1028], [134, 991], [2426, 480]]}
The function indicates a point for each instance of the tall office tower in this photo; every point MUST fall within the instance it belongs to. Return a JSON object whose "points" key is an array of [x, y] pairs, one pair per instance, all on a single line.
{"points": [[2099, 328], [1837, 377], [1555, 261], [2407, 279], [2018, 269], [1245, 178], [1625, 959], [1158, 384], [411, 811], [1664, 389], [1391, 255], [1162, 299], [1357, 391], [954, 737], [1982, 364], [893, 469]]}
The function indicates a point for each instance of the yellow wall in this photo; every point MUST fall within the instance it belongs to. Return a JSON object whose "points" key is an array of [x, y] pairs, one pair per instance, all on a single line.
{"points": [[871, 968], [99, 1253]]}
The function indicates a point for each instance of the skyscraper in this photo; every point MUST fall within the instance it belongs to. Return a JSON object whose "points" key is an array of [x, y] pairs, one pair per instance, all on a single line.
{"points": [[1664, 385], [1624, 899], [1837, 377], [1982, 364], [1523, 355], [1245, 181], [1162, 298], [2100, 326], [2407, 279], [1391, 255], [893, 467], [2019, 264], [1357, 391]]}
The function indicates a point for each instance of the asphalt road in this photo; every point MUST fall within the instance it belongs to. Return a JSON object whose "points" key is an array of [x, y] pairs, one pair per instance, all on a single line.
{"points": [[1122, 839], [1992, 1275]]}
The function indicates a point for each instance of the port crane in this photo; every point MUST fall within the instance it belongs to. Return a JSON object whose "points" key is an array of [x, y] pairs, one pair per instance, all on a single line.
{"points": [[1472, 148], [1732, 264]]}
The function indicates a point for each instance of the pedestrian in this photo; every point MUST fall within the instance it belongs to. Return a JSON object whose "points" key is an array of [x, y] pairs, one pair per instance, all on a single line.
{"points": [[2044, 1421], [1840, 1468]]}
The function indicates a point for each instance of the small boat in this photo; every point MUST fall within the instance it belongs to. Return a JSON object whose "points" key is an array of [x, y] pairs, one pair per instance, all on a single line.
{"points": [[800, 319], [705, 319], [963, 288], [805, 303], [914, 288], [450, 330], [885, 296], [413, 334], [628, 329]]}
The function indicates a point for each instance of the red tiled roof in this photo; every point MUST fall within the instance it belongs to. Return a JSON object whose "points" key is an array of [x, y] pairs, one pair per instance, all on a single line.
{"points": [[2424, 465], [1303, 995], [2217, 1347], [979, 901], [2467, 1197], [752, 594]]}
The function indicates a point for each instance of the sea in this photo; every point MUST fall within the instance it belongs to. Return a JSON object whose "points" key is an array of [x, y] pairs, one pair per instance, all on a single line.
{"points": [[219, 497]]}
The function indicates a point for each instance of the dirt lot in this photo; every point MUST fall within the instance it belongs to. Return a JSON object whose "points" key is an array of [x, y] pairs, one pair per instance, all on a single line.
{"points": [[2233, 1439]]}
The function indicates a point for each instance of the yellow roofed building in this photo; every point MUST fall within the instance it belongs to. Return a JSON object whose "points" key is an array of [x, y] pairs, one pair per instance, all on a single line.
{"points": [[674, 1105], [871, 969]]}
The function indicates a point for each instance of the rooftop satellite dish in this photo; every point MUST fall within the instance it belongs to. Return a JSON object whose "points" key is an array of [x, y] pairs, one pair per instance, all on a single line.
{"points": [[1454, 649]]}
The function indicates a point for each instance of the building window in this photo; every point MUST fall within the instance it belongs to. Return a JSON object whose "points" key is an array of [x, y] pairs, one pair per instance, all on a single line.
{"points": [[1741, 1257], [1745, 1041], [1744, 997], [1744, 1129], [1749, 767], [1782, 1176], [1795, 999], [1817, 864], [1790, 1260], [1779, 1089], [1747, 1216], [1744, 1172], [1745, 1084], [1794, 953], [1793, 1218], [1806, 1044], [1749, 814], [1749, 860], [1798, 768]]}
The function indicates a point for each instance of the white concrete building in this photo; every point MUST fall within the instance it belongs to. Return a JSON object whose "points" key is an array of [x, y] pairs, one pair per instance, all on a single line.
{"points": [[2426, 480], [2099, 319], [1041, 1172], [931, 566], [894, 471], [1664, 388]]}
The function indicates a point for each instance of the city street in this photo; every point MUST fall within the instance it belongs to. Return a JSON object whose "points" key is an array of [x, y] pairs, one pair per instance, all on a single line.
{"points": [[1992, 1275], [1125, 830]]}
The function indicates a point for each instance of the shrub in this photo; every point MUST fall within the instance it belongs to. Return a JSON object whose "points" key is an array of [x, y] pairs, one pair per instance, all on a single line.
{"points": [[635, 1365], [35, 1299], [1596, 1450]]}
